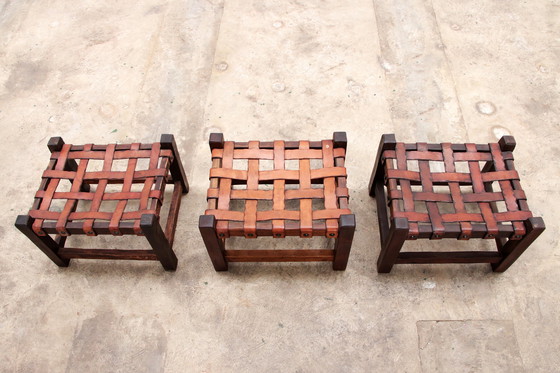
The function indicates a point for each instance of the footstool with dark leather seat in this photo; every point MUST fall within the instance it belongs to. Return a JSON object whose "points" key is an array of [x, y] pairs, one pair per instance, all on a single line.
{"points": [[84, 192], [459, 191]]}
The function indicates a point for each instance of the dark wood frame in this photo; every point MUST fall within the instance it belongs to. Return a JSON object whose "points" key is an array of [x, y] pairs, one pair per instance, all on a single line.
{"points": [[220, 256], [161, 241], [395, 231]]}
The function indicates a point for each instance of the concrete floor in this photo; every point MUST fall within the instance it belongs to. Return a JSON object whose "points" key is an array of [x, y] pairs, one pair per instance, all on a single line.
{"points": [[431, 70]]}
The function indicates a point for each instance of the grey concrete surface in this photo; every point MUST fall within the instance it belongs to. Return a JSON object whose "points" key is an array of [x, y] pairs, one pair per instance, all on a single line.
{"points": [[433, 70]]}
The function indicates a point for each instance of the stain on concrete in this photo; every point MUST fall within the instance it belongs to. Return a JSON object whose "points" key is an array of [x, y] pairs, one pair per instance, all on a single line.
{"points": [[99, 36], [26, 75], [485, 107], [107, 110], [538, 106], [468, 346], [499, 131], [278, 87], [222, 66], [118, 343]]}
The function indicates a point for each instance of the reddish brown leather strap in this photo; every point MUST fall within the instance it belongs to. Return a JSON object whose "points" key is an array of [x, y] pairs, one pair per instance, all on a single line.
{"points": [[417, 173], [282, 186], [148, 197]]}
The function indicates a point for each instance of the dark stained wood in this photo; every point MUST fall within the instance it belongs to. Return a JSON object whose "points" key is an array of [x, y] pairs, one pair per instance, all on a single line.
{"points": [[436, 257], [388, 142], [214, 244], [216, 141], [76, 253], [343, 243], [149, 223], [177, 171], [280, 255], [171, 225], [513, 249], [45, 243], [398, 233]]}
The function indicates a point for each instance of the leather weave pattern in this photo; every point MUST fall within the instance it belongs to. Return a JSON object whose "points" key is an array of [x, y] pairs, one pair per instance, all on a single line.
{"points": [[265, 193], [439, 184], [90, 186]]}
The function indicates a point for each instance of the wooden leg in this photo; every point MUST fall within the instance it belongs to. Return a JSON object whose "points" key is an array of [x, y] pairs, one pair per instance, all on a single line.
{"points": [[343, 243], [388, 142], [151, 228], [390, 249], [177, 172], [214, 244], [512, 250], [45, 243]]}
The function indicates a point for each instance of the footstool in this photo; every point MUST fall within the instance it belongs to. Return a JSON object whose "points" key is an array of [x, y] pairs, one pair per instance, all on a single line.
{"points": [[459, 191], [106, 200], [264, 193]]}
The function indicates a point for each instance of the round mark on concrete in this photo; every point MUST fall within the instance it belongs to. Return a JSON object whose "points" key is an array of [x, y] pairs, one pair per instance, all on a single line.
{"points": [[107, 110], [278, 87], [485, 107], [428, 284], [277, 24], [500, 131], [222, 66], [455, 27]]}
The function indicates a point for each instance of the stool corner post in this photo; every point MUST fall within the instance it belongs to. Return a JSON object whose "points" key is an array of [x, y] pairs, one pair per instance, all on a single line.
{"points": [[167, 141], [535, 224], [45, 243], [23, 222], [513, 249], [507, 143], [343, 243], [149, 224], [214, 244], [340, 140], [387, 142], [216, 140], [390, 249], [55, 144]]}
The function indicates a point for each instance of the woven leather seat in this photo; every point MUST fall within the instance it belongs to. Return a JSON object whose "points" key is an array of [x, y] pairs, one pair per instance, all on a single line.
{"points": [[448, 190], [318, 197], [134, 205]]}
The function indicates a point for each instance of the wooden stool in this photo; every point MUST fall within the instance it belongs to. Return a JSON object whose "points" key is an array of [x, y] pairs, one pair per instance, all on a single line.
{"points": [[446, 190], [136, 185], [306, 184]]}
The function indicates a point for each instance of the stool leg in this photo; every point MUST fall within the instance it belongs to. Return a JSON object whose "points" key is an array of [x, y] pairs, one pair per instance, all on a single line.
{"points": [[214, 244], [388, 142], [514, 249], [390, 248], [156, 237], [167, 141], [343, 243], [45, 243]]}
